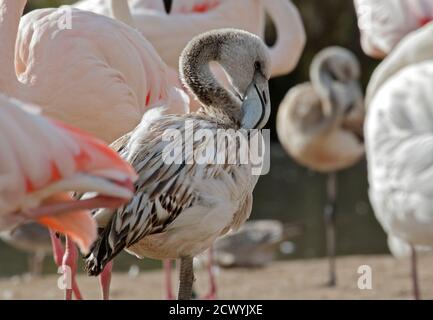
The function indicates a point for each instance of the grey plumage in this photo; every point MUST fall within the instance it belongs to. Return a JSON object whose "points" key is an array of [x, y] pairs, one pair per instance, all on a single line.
{"points": [[181, 207]]}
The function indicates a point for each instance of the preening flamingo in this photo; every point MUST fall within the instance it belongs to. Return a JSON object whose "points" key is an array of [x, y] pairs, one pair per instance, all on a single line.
{"points": [[384, 23], [41, 161], [399, 144], [187, 18], [170, 33], [320, 125], [99, 75], [181, 207]]}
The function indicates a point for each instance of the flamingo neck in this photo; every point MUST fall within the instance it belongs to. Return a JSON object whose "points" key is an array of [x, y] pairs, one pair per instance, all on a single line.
{"points": [[197, 76], [10, 15], [120, 11], [321, 86], [291, 38]]}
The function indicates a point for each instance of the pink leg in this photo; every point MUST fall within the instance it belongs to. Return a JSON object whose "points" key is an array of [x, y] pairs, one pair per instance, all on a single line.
{"points": [[59, 254], [212, 295], [168, 284], [70, 263], [58, 251], [105, 281]]}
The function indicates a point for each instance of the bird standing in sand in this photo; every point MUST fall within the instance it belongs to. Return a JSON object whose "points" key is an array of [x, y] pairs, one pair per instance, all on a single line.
{"points": [[181, 207], [399, 144], [320, 125]]}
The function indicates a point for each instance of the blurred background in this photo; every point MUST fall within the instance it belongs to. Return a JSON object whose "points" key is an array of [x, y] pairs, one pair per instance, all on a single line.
{"points": [[290, 193]]}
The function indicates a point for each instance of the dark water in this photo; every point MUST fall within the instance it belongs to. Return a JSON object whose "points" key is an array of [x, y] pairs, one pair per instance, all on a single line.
{"points": [[289, 193]]}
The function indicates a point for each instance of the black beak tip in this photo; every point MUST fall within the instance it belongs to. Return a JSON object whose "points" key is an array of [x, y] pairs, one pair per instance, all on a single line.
{"points": [[167, 5]]}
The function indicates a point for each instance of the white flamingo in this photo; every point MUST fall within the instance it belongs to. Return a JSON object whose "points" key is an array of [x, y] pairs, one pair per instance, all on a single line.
{"points": [[320, 125], [384, 23], [399, 143], [415, 48]]}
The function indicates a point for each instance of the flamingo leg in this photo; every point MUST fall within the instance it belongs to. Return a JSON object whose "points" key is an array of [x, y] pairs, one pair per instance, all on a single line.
{"points": [[414, 267], [59, 256], [186, 278], [330, 227], [58, 251], [69, 264], [168, 282], [212, 294], [105, 281]]}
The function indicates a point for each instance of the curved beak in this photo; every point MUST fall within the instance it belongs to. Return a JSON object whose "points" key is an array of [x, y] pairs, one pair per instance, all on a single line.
{"points": [[256, 105], [167, 5]]}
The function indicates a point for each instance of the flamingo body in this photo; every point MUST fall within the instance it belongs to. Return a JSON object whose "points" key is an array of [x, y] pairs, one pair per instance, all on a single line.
{"points": [[99, 76]]}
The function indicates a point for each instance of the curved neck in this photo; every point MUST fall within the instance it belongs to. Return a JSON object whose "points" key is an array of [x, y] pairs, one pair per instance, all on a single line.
{"points": [[120, 11], [197, 76], [10, 15], [320, 85], [291, 38]]}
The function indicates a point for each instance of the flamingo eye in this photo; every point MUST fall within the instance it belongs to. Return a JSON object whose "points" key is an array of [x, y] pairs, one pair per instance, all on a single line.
{"points": [[257, 65]]}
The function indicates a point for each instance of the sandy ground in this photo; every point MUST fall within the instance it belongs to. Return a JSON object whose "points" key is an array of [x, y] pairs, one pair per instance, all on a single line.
{"points": [[282, 280]]}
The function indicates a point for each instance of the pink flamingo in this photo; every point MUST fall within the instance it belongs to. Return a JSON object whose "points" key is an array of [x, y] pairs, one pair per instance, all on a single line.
{"points": [[41, 161], [188, 18], [87, 70]]}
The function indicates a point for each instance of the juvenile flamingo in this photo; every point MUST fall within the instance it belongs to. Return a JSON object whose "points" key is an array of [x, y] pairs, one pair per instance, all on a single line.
{"points": [[180, 208], [320, 125]]}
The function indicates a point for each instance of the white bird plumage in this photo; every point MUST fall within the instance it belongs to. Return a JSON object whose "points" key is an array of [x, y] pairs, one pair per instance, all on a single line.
{"points": [[399, 143], [414, 48], [384, 23]]}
